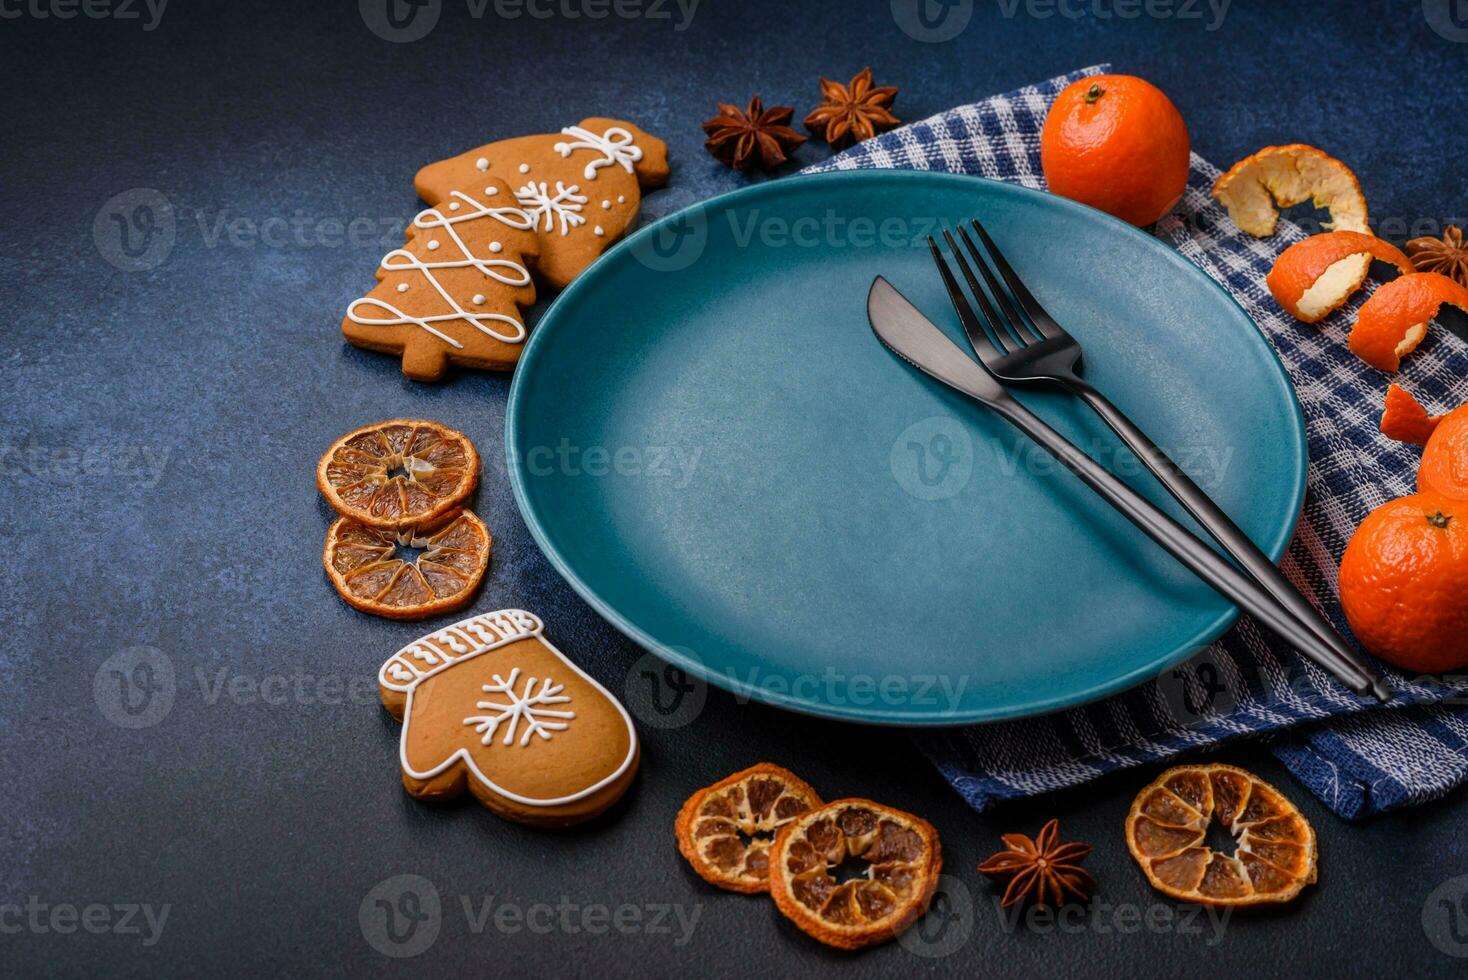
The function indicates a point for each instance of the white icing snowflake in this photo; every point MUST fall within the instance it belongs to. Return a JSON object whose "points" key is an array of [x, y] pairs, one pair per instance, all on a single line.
{"points": [[529, 706], [540, 204]]}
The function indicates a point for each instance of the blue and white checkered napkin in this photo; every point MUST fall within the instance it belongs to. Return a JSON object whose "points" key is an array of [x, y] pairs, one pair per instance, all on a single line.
{"points": [[1357, 757]]}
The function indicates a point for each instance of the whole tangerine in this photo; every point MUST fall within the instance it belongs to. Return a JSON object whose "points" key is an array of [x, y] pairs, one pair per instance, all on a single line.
{"points": [[1444, 467], [1117, 143], [1404, 579]]}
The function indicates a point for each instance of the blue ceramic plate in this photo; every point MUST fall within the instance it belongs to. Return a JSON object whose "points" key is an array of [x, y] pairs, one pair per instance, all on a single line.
{"points": [[708, 442]]}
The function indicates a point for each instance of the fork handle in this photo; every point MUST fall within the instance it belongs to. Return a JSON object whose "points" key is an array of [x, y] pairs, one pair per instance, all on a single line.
{"points": [[1217, 523], [1200, 559]]}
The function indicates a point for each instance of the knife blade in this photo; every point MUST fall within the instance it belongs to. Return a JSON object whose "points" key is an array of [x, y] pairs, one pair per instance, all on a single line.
{"points": [[903, 330]]}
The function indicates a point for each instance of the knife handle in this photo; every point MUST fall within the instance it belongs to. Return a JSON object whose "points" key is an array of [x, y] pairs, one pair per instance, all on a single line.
{"points": [[1216, 522], [1196, 556]]}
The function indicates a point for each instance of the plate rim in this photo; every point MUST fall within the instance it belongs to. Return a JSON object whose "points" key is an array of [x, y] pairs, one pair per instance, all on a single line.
{"points": [[874, 715]]}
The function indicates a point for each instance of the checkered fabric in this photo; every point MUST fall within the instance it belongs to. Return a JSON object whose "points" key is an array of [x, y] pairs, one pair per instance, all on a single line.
{"points": [[1358, 757]]}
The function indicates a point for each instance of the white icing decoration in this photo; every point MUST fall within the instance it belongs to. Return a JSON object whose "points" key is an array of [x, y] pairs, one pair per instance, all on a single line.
{"points": [[454, 206], [478, 299], [529, 706], [496, 247], [621, 198], [433, 245], [615, 145], [524, 168], [491, 190], [506, 626], [482, 163], [478, 628], [401, 673], [540, 205], [598, 231], [606, 205], [503, 270]]}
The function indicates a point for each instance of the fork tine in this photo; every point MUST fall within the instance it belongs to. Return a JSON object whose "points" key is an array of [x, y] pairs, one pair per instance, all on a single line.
{"points": [[992, 321], [1039, 320], [1012, 319], [977, 336]]}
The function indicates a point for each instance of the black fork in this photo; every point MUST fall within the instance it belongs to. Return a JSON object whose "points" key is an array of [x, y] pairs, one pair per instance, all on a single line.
{"points": [[1019, 343]]}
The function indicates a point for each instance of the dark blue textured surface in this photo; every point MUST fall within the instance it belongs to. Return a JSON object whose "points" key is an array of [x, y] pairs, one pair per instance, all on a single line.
{"points": [[160, 426]]}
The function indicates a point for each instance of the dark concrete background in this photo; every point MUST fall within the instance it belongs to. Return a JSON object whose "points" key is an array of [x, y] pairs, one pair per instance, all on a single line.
{"points": [[162, 412]]}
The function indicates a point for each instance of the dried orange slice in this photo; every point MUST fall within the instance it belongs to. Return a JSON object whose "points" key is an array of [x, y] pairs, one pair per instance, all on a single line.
{"points": [[903, 860], [399, 474], [725, 830], [1404, 419], [368, 570], [1394, 320], [1314, 278], [1165, 831], [1444, 467], [1287, 175]]}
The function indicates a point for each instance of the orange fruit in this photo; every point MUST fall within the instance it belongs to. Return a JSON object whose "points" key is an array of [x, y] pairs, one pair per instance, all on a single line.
{"points": [[1404, 583], [1444, 466], [1287, 175], [725, 830], [365, 566], [902, 857], [400, 474], [1166, 829], [1404, 419], [1394, 320], [1117, 143], [1313, 278]]}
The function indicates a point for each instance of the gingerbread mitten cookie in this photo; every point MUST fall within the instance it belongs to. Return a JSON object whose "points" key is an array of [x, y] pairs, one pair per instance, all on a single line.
{"points": [[581, 186], [453, 293], [489, 705]]}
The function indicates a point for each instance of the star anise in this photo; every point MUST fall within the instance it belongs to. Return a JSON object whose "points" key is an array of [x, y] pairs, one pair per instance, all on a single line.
{"points": [[853, 112], [756, 136], [1042, 869], [1447, 255]]}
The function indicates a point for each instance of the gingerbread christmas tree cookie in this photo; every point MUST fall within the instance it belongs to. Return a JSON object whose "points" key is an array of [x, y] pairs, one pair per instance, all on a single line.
{"points": [[453, 293], [489, 706], [581, 186]]}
